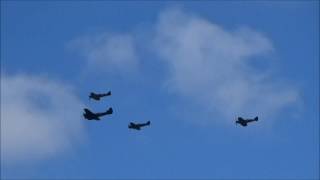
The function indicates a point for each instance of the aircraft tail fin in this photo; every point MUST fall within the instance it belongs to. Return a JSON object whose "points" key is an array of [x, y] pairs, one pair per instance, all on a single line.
{"points": [[110, 111], [109, 93], [256, 118]]}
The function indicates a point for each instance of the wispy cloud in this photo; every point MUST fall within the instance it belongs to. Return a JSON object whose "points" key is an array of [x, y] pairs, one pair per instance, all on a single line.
{"points": [[40, 118], [108, 52], [213, 66], [220, 69]]}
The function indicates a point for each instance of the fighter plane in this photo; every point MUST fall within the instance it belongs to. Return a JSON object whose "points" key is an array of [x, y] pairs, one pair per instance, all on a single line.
{"points": [[96, 116], [98, 96], [138, 126], [244, 122]]}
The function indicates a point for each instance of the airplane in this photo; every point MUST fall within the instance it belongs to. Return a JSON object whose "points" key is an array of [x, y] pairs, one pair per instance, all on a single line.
{"points": [[96, 116], [138, 126], [98, 96], [244, 122]]}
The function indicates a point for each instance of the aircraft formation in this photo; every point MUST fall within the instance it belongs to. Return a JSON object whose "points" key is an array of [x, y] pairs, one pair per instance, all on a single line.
{"points": [[89, 115]]}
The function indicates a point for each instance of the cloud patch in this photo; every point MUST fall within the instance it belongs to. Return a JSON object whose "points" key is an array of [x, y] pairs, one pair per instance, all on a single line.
{"points": [[40, 118], [227, 72], [213, 66], [108, 52]]}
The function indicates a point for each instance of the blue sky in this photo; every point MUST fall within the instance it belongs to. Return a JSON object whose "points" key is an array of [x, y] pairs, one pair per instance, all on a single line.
{"points": [[189, 67]]}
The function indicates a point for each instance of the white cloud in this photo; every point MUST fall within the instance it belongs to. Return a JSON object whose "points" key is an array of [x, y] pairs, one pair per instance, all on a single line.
{"points": [[207, 63], [40, 118], [112, 53], [213, 66]]}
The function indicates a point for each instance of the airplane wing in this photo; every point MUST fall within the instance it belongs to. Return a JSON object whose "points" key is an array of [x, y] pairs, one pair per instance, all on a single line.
{"points": [[87, 111], [240, 119], [132, 124]]}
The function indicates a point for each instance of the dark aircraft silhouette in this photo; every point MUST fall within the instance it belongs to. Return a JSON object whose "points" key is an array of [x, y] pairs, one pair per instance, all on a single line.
{"points": [[98, 96], [244, 122], [138, 126], [90, 115]]}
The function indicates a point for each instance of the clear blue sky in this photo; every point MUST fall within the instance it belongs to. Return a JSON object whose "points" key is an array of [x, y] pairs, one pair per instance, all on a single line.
{"points": [[185, 140]]}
